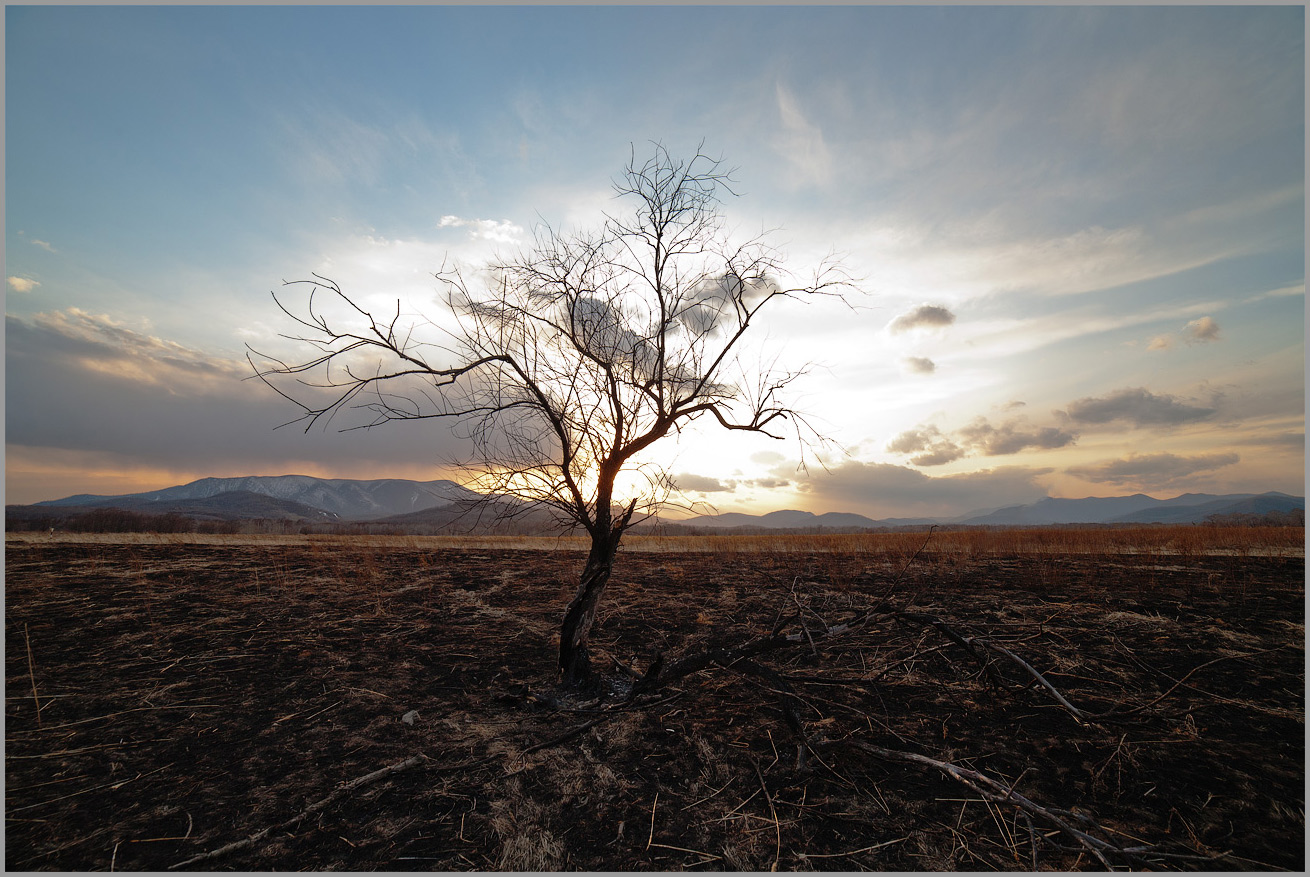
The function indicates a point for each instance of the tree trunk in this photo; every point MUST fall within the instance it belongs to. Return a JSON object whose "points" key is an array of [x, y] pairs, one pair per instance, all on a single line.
{"points": [[574, 662]]}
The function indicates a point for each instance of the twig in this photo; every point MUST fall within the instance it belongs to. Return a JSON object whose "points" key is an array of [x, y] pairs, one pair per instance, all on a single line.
{"points": [[1073, 710], [31, 674], [653, 805], [777, 850], [885, 843], [709, 857], [992, 790], [339, 792]]}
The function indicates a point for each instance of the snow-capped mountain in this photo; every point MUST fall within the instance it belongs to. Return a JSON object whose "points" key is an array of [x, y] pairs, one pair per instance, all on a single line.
{"points": [[344, 498]]}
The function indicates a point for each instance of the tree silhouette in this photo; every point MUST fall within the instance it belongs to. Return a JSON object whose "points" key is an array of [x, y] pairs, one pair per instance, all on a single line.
{"points": [[565, 363]]}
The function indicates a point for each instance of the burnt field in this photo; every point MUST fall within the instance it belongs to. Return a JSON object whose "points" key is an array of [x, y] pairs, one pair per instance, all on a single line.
{"points": [[321, 704]]}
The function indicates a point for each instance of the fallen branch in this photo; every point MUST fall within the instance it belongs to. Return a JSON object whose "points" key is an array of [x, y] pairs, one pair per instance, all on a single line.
{"points": [[339, 792]]}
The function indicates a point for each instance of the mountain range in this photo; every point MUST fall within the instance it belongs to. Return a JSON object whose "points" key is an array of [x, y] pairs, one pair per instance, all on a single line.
{"points": [[1135, 509], [304, 498], [293, 496]]}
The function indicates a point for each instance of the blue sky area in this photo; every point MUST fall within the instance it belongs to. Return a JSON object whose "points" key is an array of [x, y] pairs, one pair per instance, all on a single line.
{"points": [[1079, 231]]}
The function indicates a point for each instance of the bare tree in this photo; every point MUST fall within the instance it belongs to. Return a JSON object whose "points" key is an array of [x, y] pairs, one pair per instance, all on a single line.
{"points": [[568, 361]]}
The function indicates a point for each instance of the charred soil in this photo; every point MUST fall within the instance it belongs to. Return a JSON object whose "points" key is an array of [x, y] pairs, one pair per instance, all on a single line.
{"points": [[165, 700]]}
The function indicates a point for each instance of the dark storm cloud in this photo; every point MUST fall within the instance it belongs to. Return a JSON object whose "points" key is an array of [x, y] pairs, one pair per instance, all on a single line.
{"points": [[1151, 470], [79, 382], [922, 317], [1136, 406]]}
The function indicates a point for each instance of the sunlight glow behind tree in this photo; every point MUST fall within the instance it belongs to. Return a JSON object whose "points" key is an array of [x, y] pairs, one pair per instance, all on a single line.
{"points": [[573, 358]]}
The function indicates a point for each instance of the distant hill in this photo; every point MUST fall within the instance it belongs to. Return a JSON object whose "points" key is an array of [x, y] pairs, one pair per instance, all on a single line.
{"points": [[1261, 504], [344, 498], [1190, 508], [444, 506]]}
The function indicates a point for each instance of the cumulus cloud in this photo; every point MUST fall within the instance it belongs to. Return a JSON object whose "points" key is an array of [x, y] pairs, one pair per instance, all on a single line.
{"points": [[1204, 329], [979, 437], [920, 365], [502, 231], [1198, 331], [1146, 471], [922, 317], [1136, 406], [701, 483], [933, 448], [1012, 437], [883, 489], [21, 284], [716, 299], [767, 483]]}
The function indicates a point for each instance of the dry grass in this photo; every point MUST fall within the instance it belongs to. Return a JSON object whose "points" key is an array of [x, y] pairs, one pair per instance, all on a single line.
{"points": [[1181, 540]]}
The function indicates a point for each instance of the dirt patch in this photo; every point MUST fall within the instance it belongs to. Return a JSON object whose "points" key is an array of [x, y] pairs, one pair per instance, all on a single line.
{"points": [[194, 695]]}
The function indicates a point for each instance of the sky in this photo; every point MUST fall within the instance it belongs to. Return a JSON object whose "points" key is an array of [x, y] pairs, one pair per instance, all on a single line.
{"points": [[1078, 232]]}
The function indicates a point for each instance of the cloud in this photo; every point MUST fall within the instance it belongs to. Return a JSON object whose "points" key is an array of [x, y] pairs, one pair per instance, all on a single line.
{"points": [[1147, 471], [503, 231], [979, 437], [801, 142], [1197, 331], [1136, 406], [919, 365], [1011, 437], [924, 316], [936, 448], [767, 483], [701, 483], [91, 385], [21, 284], [1204, 329], [883, 489], [45, 245]]}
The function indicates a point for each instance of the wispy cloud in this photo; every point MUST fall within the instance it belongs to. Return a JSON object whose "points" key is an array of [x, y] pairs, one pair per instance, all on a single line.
{"points": [[801, 142], [81, 382], [21, 284], [45, 245]]}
